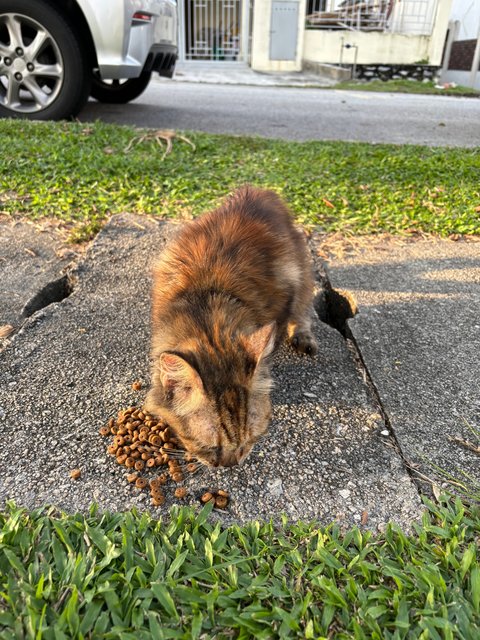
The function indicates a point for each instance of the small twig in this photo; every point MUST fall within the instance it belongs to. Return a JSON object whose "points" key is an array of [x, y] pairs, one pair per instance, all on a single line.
{"points": [[164, 135], [466, 444], [62, 599]]}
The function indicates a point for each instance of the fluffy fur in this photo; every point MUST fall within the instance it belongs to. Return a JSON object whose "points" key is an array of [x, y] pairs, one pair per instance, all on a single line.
{"points": [[225, 291]]}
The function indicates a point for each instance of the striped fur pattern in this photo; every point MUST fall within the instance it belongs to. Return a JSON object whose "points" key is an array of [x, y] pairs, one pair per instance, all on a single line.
{"points": [[226, 289]]}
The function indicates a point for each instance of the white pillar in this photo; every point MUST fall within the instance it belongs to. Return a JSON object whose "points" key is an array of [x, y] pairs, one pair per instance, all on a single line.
{"points": [[475, 62], [453, 29]]}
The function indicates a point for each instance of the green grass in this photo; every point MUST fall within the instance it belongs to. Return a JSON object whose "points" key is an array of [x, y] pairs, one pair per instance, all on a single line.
{"points": [[129, 576], [81, 174], [406, 86]]}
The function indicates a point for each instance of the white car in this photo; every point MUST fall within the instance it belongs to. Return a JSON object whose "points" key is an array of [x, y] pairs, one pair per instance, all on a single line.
{"points": [[54, 54]]}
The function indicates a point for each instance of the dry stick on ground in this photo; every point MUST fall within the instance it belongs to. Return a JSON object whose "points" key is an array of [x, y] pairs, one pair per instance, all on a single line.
{"points": [[165, 135], [466, 444]]}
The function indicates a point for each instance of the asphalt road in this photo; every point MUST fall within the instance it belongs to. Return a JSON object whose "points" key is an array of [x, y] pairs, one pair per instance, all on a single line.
{"points": [[299, 113]]}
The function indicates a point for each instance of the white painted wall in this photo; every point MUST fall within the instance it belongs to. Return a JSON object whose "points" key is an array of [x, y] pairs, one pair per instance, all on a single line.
{"points": [[372, 48], [379, 47]]}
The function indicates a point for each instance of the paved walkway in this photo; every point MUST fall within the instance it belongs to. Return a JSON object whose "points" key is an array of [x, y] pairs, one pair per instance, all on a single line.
{"points": [[340, 445], [238, 74]]}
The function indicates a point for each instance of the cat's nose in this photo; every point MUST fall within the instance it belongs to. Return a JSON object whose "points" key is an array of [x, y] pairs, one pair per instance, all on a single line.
{"points": [[228, 459]]}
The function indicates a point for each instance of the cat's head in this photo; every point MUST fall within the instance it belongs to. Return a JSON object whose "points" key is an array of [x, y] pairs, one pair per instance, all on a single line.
{"points": [[217, 402]]}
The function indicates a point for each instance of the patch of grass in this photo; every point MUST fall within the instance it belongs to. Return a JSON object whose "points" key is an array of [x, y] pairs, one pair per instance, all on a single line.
{"points": [[406, 86], [81, 174], [129, 576]]}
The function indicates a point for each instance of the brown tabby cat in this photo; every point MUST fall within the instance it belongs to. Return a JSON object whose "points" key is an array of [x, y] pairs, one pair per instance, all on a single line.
{"points": [[225, 291]]}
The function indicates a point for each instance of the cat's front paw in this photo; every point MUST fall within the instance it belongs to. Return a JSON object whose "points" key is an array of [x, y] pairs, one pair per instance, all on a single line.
{"points": [[304, 342]]}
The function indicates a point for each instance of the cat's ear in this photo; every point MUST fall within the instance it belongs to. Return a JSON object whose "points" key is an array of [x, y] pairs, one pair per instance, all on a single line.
{"points": [[176, 372], [260, 343], [181, 381]]}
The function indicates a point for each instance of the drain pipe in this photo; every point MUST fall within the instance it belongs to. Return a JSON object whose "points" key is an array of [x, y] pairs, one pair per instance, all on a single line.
{"points": [[351, 46]]}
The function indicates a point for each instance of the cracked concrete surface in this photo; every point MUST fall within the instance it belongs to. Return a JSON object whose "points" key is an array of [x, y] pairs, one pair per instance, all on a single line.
{"points": [[327, 454], [418, 332]]}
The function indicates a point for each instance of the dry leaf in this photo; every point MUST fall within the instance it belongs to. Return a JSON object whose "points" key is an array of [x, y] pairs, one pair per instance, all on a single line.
{"points": [[6, 330], [328, 203]]}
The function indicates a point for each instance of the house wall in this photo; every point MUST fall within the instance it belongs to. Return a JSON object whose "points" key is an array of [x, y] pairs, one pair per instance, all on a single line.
{"points": [[372, 47], [322, 45], [260, 52], [467, 13]]}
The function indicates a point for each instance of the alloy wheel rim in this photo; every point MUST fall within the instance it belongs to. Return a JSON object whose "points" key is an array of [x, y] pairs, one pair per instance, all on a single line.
{"points": [[31, 65]]}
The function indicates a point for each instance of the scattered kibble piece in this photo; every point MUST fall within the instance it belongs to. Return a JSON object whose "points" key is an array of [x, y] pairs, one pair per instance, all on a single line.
{"points": [[140, 483], [132, 477], [220, 498], [180, 492], [104, 431], [75, 474], [221, 502]]}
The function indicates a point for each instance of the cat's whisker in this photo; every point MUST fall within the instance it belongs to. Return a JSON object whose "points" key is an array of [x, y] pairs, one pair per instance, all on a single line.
{"points": [[199, 471], [176, 456]]}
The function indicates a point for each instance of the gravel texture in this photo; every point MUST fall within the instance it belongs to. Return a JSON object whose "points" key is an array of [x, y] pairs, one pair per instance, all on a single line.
{"points": [[327, 454]]}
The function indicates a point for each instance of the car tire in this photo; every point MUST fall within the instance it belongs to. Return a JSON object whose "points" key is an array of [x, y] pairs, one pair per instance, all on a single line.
{"points": [[44, 74], [119, 91]]}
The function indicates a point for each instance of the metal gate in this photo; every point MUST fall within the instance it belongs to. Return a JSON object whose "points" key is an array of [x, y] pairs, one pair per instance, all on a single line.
{"points": [[212, 29]]}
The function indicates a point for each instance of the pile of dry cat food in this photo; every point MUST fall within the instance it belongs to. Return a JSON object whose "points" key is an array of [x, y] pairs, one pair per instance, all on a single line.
{"points": [[142, 444]]}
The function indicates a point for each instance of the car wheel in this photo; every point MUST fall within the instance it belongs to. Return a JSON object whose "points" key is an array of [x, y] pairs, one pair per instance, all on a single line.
{"points": [[43, 71], [119, 91]]}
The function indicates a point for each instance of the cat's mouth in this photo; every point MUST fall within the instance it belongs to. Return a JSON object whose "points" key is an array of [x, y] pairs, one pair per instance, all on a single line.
{"points": [[222, 457]]}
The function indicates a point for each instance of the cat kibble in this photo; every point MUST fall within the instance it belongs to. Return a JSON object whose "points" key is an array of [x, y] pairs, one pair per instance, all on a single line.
{"points": [[140, 483], [219, 498], [141, 442], [75, 474], [221, 502]]}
